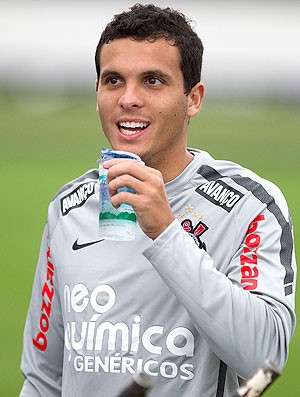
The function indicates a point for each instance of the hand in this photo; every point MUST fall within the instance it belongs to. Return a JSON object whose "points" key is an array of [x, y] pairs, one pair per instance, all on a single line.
{"points": [[150, 202]]}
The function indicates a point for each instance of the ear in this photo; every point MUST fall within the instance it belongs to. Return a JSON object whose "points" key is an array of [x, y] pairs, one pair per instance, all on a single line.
{"points": [[96, 88], [195, 98]]}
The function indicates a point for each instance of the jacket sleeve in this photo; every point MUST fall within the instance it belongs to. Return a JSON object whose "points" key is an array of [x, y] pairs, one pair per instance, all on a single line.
{"points": [[42, 356], [246, 315]]}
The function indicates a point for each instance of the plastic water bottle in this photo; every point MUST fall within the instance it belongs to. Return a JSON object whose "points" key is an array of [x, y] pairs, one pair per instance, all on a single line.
{"points": [[115, 223]]}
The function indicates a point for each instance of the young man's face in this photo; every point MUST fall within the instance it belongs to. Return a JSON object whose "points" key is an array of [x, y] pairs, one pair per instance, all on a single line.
{"points": [[141, 100]]}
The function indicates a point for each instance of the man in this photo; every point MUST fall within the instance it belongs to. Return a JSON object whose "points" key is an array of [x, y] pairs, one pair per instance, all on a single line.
{"points": [[205, 292]]}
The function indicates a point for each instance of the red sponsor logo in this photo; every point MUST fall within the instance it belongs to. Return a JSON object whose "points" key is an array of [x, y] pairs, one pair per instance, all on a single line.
{"points": [[40, 341], [248, 259]]}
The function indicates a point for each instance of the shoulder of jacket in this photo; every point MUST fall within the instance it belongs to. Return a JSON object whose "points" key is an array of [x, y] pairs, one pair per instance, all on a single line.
{"points": [[72, 195], [248, 182], [89, 176]]}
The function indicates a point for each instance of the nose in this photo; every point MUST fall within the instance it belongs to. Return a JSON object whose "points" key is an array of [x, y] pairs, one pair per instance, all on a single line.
{"points": [[131, 97]]}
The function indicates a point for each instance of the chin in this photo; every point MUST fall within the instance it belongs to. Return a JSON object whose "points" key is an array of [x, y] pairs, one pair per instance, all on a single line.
{"points": [[127, 148]]}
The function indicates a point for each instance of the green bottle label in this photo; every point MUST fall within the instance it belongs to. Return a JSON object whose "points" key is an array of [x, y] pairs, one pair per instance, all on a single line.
{"points": [[126, 216]]}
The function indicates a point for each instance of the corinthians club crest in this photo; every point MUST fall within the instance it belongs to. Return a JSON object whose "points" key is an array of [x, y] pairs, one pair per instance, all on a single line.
{"points": [[195, 232]]}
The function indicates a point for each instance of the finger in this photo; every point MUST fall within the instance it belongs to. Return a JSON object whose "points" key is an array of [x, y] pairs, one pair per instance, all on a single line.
{"points": [[111, 162], [118, 167], [127, 198], [126, 181]]}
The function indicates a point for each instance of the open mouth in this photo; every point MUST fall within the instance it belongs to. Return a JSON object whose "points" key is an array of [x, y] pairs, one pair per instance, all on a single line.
{"points": [[132, 127]]}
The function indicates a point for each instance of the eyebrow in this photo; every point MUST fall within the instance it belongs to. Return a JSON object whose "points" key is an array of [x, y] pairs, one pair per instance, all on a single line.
{"points": [[146, 73], [109, 73], [156, 73]]}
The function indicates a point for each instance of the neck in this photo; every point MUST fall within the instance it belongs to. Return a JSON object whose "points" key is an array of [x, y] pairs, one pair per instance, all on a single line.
{"points": [[171, 169]]}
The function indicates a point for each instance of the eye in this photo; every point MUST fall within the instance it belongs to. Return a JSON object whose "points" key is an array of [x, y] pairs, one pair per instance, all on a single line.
{"points": [[113, 81], [153, 81]]}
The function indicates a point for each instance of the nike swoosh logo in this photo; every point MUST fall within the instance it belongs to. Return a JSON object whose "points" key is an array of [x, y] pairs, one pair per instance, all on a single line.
{"points": [[77, 246]]}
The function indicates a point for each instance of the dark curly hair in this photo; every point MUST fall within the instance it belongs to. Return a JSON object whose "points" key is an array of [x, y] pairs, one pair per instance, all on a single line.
{"points": [[149, 22]]}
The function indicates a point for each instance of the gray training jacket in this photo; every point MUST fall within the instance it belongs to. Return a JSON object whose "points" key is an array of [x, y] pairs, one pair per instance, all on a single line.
{"points": [[199, 308]]}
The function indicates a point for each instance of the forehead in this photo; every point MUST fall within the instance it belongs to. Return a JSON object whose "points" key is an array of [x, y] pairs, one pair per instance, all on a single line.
{"points": [[132, 54]]}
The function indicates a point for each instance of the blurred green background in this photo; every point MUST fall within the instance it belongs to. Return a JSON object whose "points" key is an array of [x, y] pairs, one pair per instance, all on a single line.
{"points": [[48, 139], [50, 133]]}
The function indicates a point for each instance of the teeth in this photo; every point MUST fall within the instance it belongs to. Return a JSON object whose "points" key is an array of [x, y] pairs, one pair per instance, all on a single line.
{"points": [[133, 124], [126, 132]]}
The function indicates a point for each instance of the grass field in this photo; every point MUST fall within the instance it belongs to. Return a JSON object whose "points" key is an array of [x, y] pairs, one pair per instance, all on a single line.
{"points": [[46, 141]]}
